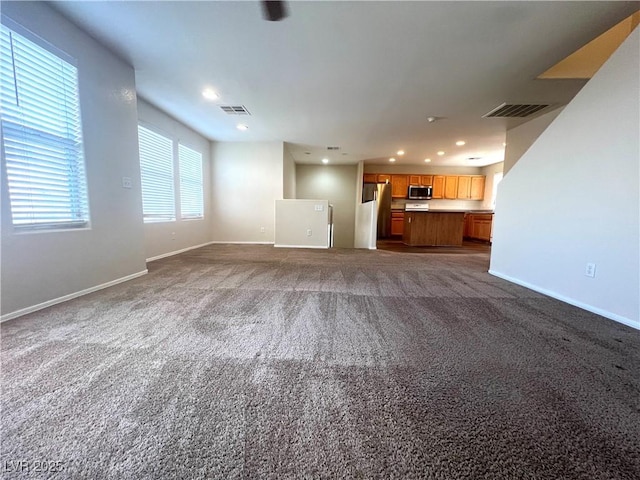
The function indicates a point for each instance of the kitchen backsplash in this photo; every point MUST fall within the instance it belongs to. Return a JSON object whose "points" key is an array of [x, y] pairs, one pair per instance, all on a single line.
{"points": [[398, 204]]}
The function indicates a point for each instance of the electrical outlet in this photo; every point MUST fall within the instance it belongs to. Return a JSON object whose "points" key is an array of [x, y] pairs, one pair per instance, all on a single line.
{"points": [[590, 270], [308, 232], [262, 230], [126, 182]]}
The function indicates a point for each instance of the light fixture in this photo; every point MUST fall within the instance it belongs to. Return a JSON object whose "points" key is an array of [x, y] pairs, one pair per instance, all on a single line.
{"points": [[392, 159], [504, 144], [431, 119], [400, 152], [460, 143], [242, 127], [325, 160], [427, 160], [210, 94], [440, 153]]}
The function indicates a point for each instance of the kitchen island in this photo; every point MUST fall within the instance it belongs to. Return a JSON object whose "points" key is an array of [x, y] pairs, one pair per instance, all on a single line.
{"points": [[433, 228]]}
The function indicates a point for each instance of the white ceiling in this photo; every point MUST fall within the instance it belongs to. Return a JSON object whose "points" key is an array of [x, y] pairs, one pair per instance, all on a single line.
{"points": [[360, 75]]}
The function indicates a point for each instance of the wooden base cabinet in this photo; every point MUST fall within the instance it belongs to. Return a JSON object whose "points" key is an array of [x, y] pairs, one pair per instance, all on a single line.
{"points": [[433, 228], [479, 226], [397, 223]]}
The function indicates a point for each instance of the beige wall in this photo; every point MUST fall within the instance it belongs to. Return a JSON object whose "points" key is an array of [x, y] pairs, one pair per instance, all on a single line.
{"points": [[289, 174], [42, 268], [164, 238], [520, 138], [336, 183], [574, 198], [302, 223], [247, 179]]}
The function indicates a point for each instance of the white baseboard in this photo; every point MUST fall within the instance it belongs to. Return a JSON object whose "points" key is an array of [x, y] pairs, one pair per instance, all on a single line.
{"points": [[570, 301], [176, 252], [231, 242], [55, 301], [302, 246]]}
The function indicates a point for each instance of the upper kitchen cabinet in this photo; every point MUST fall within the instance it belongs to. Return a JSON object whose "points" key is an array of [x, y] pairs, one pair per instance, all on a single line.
{"points": [[451, 187], [414, 180], [384, 178], [370, 178], [470, 187], [399, 186], [426, 180], [438, 186], [477, 187]]}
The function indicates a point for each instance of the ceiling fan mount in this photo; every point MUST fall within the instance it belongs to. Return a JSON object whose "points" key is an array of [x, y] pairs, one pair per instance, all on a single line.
{"points": [[274, 10]]}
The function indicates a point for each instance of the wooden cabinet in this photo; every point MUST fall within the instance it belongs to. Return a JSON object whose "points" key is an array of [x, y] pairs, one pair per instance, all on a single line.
{"points": [[470, 187], [479, 226], [399, 186], [426, 180], [464, 187], [438, 186], [433, 228], [397, 223], [451, 187], [477, 187], [370, 178]]}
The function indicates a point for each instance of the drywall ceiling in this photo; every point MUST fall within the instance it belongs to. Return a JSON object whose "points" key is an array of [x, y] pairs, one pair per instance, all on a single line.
{"points": [[363, 76]]}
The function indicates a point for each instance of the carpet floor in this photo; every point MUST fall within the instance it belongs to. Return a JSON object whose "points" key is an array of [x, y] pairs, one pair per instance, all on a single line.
{"points": [[242, 362]]}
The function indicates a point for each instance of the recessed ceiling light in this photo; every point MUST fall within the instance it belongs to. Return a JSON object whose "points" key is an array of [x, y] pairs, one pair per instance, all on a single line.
{"points": [[392, 159], [325, 160], [440, 153], [504, 144], [242, 127], [427, 160], [210, 94], [460, 143], [400, 152]]}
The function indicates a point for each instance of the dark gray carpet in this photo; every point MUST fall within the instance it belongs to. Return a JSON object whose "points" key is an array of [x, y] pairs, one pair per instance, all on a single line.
{"points": [[253, 362]]}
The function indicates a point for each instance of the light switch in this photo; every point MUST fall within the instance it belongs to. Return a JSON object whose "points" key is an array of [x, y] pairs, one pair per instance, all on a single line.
{"points": [[126, 182], [319, 208]]}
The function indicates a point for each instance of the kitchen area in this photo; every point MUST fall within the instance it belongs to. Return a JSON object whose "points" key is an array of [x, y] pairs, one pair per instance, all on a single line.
{"points": [[425, 210]]}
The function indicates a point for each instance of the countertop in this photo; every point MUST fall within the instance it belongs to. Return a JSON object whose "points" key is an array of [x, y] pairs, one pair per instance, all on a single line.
{"points": [[446, 210]]}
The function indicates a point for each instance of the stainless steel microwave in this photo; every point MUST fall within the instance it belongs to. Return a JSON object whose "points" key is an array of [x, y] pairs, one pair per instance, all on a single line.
{"points": [[419, 192]]}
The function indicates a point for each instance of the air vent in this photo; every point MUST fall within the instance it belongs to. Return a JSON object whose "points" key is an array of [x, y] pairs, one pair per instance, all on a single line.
{"points": [[514, 110], [235, 109], [333, 148]]}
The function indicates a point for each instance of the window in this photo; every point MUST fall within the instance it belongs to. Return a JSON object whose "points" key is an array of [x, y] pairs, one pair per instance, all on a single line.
{"points": [[41, 134], [156, 171], [191, 195]]}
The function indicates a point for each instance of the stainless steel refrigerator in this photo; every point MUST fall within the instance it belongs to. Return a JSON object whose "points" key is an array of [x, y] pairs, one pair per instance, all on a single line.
{"points": [[382, 193]]}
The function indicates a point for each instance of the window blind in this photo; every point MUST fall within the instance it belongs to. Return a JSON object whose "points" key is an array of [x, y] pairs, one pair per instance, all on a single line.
{"points": [[191, 190], [41, 135], [156, 171]]}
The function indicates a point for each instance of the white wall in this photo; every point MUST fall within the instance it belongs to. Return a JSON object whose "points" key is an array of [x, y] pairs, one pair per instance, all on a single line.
{"points": [[164, 238], [573, 198], [41, 267], [336, 183], [247, 179], [520, 138], [302, 223], [289, 174]]}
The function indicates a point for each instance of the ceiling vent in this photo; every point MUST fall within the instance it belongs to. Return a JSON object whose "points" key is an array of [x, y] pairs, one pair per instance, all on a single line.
{"points": [[333, 148], [235, 110], [514, 110]]}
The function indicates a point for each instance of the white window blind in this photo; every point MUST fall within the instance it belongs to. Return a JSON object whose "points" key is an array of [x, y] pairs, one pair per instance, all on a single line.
{"points": [[191, 190], [41, 135], [156, 171]]}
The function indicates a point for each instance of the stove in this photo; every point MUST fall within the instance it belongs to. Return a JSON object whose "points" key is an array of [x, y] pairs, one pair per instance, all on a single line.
{"points": [[416, 207]]}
